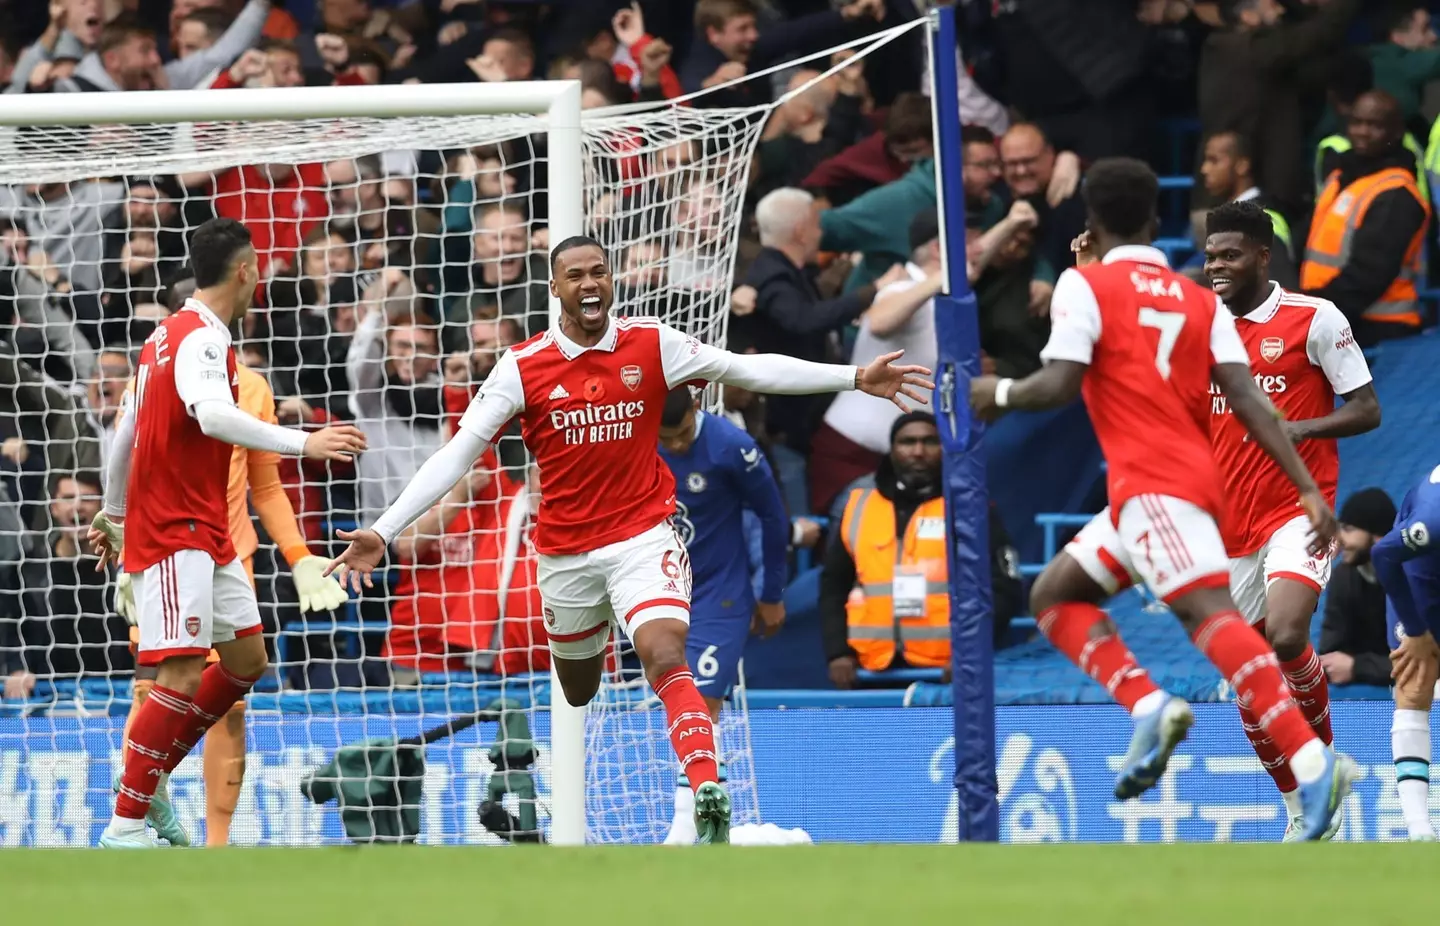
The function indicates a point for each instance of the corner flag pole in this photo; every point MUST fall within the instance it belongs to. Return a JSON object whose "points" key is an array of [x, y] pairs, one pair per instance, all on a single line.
{"points": [[967, 507]]}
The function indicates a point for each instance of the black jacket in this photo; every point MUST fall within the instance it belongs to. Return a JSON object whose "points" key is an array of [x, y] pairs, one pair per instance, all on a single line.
{"points": [[1355, 624], [1378, 252], [1252, 83], [790, 318], [777, 42], [837, 576]]}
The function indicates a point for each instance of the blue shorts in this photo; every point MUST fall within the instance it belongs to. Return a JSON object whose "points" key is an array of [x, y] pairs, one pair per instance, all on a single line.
{"points": [[713, 649], [1393, 630]]}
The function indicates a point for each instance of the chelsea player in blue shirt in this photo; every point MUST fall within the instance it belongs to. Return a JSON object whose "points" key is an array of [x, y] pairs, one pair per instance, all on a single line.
{"points": [[719, 473], [1407, 563]]}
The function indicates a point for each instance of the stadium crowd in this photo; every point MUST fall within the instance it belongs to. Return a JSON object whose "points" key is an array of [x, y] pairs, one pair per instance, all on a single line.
{"points": [[393, 281]]}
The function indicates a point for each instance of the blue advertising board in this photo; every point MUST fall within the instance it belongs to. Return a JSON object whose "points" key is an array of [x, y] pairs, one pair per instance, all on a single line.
{"points": [[877, 774]]}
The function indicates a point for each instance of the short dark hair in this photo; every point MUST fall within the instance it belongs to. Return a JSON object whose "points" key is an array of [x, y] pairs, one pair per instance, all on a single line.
{"points": [[600, 77], [213, 249], [180, 289], [515, 37], [215, 21], [120, 30], [1120, 195], [714, 14], [1247, 217], [976, 135], [1238, 141], [677, 403], [573, 242], [88, 477], [908, 119]]}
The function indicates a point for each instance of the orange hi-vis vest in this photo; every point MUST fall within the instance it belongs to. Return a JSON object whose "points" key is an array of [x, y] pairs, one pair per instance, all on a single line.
{"points": [[901, 596], [1338, 216]]}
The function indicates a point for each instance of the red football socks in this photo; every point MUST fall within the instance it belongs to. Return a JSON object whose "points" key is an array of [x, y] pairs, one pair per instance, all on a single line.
{"points": [[1271, 757], [691, 731], [1306, 678], [1247, 661], [1069, 626], [218, 692], [158, 723]]}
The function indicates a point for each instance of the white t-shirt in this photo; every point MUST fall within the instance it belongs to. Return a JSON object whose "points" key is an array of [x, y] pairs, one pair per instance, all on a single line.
{"points": [[866, 419]]}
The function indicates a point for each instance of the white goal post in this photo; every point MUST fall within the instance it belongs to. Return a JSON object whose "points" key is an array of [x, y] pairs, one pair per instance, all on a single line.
{"points": [[557, 101]]}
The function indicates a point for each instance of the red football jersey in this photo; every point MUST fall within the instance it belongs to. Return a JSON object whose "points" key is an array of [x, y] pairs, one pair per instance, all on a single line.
{"points": [[1149, 337], [176, 498], [1303, 355], [591, 417]]}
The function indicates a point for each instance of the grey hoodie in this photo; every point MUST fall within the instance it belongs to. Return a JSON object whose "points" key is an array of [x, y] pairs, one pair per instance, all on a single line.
{"points": [[185, 73]]}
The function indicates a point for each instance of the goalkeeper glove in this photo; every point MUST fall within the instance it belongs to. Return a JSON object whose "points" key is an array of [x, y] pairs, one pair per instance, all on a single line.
{"points": [[113, 537], [317, 591], [125, 598]]}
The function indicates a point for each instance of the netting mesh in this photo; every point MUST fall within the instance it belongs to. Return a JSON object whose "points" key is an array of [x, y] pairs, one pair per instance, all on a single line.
{"points": [[399, 257]]}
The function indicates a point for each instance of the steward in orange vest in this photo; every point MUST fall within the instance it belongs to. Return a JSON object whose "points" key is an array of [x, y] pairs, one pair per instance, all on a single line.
{"points": [[886, 571], [1365, 252]]}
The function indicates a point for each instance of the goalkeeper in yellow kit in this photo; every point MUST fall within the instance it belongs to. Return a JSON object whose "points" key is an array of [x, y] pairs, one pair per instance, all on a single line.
{"points": [[224, 755]]}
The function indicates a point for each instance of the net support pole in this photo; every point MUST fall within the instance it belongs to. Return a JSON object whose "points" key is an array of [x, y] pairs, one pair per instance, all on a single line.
{"points": [[967, 509], [566, 170]]}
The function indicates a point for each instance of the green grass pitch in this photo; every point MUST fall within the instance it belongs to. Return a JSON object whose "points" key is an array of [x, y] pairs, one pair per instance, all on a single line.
{"points": [[1069, 885]]}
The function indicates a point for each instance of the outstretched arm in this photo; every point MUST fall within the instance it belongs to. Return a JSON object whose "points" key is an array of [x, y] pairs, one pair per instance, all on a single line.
{"points": [[686, 360], [1074, 329], [501, 398]]}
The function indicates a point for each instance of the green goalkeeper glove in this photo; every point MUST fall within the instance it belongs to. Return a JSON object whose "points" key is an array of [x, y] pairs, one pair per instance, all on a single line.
{"points": [[107, 537], [125, 598], [317, 591]]}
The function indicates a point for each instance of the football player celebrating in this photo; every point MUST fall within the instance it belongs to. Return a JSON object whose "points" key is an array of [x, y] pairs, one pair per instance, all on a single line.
{"points": [[589, 394], [1143, 344], [1303, 355]]}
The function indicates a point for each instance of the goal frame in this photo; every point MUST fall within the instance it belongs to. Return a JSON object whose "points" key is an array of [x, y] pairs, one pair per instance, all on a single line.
{"points": [[557, 100]]}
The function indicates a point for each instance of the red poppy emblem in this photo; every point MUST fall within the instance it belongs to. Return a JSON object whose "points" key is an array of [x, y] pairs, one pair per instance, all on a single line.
{"points": [[630, 376], [594, 390]]}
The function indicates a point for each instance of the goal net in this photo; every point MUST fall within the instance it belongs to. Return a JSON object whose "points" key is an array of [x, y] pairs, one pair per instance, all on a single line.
{"points": [[399, 256]]}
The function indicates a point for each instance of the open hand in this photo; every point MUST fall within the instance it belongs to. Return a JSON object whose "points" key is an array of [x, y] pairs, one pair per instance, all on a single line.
{"points": [[338, 442], [882, 378], [359, 560], [1412, 660]]}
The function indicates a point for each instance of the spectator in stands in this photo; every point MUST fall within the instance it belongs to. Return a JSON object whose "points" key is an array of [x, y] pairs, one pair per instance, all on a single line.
{"points": [[1253, 75], [1371, 206], [981, 175], [66, 223], [103, 394], [728, 44], [877, 223], [274, 63], [501, 270], [855, 434], [791, 318], [68, 627], [1409, 58], [278, 202], [34, 310], [1013, 287], [820, 120], [1050, 183], [73, 30], [890, 540], [1229, 177], [395, 397], [1353, 644], [880, 158]]}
